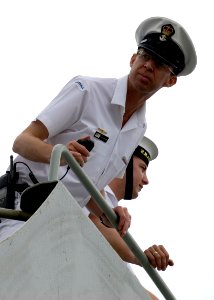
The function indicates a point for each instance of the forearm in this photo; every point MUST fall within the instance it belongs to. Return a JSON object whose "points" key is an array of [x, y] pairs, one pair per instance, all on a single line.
{"points": [[31, 143], [93, 208], [115, 240], [32, 148]]}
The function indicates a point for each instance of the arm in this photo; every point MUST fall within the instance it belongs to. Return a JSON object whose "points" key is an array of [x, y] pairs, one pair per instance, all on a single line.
{"points": [[157, 255], [118, 245], [123, 215], [115, 240], [31, 145]]}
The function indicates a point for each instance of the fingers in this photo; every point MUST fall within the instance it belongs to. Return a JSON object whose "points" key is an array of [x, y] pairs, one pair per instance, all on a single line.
{"points": [[124, 219], [158, 257], [171, 262], [79, 152]]}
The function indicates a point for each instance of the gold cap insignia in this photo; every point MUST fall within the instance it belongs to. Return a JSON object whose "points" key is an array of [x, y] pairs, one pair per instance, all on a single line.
{"points": [[145, 153], [166, 32]]}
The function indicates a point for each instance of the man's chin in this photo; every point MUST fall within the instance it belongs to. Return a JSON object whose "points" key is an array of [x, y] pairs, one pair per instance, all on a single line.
{"points": [[134, 195]]}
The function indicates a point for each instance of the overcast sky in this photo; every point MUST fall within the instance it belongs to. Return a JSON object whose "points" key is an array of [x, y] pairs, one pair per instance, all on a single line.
{"points": [[44, 43]]}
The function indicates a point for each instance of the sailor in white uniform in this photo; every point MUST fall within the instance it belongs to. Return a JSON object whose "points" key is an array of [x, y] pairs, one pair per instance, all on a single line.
{"points": [[109, 111]]}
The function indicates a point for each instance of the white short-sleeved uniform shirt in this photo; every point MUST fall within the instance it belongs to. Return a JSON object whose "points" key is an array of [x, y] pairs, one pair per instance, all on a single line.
{"points": [[110, 197], [94, 107]]}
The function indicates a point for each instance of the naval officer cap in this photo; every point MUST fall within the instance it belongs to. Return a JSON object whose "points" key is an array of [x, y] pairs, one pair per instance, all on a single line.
{"points": [[170, 42], [146, 150]]}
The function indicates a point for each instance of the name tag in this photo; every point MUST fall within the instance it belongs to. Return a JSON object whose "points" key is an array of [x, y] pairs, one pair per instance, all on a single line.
{"points": [[101, 136]]}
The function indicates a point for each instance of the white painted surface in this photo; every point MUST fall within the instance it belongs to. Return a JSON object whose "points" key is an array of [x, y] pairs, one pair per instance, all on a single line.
{"points": [[59, 254]]}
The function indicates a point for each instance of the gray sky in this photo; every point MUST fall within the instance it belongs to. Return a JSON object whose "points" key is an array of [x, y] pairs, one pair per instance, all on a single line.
{"points": [[45, 43]]}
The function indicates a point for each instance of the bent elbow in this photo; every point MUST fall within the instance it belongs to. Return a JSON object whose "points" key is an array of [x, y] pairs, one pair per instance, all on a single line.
{"points": [[15, 146]]}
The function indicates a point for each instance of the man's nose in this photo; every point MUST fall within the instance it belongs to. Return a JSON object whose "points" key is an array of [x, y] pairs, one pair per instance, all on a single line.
{"points": [[149, 65]]}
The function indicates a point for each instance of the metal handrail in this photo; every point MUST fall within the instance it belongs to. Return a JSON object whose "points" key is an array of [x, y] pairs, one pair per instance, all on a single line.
{"points": [[14, 214], [59, 151]]}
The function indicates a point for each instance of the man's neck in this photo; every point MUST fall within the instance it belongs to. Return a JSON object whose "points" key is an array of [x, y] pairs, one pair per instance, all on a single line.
{"points": [[133, 103], [118, 187]]}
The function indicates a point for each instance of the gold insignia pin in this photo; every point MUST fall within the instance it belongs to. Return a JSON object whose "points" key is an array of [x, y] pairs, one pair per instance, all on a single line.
{"points": [[101, 130], [167, 31]]}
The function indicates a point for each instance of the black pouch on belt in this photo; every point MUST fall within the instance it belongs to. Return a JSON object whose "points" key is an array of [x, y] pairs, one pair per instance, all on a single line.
{"points": [[8, 187]]}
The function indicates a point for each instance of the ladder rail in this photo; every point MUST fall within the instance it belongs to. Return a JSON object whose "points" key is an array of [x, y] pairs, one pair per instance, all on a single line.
{"points": [[59, 151]]}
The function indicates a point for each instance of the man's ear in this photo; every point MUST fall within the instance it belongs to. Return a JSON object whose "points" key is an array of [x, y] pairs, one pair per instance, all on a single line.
{"points": [[171, 81], [133, 59]]}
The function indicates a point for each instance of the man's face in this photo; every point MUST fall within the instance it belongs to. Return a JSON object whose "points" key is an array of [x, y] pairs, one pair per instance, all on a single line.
{"points": [[148, 75], [139, 176]]}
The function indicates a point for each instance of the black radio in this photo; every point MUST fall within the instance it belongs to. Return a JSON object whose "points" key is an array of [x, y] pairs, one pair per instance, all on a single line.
{"points": [[88, 144]]}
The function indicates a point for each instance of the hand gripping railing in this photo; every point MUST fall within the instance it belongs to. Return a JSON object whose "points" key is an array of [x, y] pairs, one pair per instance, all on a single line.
{"points": [[60, 150]]}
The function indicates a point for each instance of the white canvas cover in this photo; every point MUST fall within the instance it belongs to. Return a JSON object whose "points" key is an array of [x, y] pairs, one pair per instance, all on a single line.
{"points": [[59, 254]]}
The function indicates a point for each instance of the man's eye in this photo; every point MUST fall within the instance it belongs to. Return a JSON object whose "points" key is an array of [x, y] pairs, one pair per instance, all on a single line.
{"points": [[146, 57], [160, 64]]}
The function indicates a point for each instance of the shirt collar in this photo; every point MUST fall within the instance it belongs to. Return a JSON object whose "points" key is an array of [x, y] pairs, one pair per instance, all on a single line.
{"points": [[119, 98], [120, 92]]}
